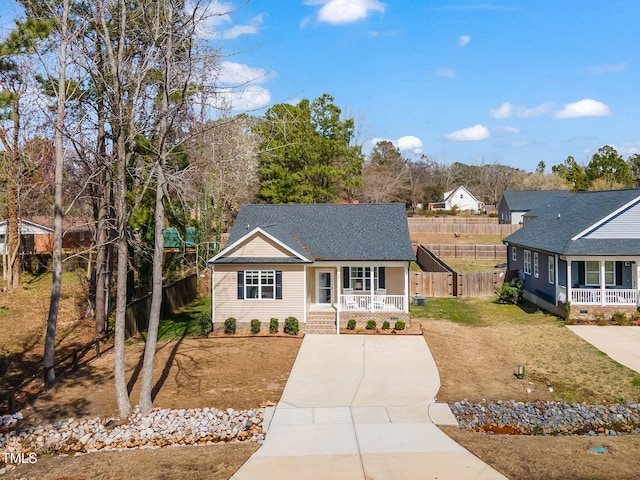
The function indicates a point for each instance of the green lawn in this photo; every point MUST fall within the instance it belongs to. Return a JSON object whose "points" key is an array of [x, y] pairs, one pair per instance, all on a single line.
{"points": [[186, 321]]}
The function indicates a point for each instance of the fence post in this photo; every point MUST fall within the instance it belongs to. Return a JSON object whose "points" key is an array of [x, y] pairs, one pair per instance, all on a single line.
{"points": [[98, 348]]}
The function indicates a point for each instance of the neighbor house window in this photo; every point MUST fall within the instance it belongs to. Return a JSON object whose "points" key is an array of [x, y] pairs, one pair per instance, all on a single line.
{"points": [[527, 262], [514, 254], [552, 270], [260, 284], [592, 272], [536, 270]]}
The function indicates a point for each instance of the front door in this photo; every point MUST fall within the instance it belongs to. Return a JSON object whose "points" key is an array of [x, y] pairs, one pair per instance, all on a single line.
{"points": [[324, 281]]}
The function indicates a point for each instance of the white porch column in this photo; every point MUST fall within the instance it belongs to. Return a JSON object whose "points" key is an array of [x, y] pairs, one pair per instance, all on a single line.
{"points": [[372, 289], [338, 288], [636, 282], [213, 298], [603, 283], [406, 288], [569, 280]]}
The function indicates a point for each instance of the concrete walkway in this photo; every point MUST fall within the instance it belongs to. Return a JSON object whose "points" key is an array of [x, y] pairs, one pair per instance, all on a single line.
{"points": [[620, 343], [361, 407]]}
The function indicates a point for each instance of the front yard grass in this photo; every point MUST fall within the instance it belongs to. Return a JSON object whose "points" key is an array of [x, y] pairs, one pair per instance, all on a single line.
{"points": [[478, 344], [185, 322]]}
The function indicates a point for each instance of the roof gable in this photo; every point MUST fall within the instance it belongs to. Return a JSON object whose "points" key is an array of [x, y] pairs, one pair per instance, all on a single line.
{"points": [[525, 200], [331, 231]]}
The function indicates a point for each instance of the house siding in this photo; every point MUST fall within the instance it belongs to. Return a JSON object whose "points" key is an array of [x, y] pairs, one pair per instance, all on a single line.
{"points": [[259, 246], [540, 286], [228, 305], [625, 225]]}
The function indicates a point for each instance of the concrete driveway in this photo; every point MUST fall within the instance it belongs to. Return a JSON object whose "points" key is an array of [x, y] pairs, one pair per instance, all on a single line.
{"points": [[620, 343], [362, 407]]}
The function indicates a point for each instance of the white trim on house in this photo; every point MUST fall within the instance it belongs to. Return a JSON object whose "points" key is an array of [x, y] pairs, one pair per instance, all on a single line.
{"points": [[251, 234]]}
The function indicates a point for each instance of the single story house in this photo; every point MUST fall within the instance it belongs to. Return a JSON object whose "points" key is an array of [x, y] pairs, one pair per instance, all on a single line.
{"points": [[323, 264], [579, 253], [459, 198], [514, 204], [34, 237]]}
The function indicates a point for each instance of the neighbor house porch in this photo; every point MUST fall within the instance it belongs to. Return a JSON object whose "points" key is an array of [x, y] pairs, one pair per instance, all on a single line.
{"points": [[602, 282]]}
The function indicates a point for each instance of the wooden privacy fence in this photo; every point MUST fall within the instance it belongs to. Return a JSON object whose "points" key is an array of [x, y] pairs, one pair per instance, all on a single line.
{"points": [[447, 284], [439, 280], [460, 225], [478, 252], [174, 296]]}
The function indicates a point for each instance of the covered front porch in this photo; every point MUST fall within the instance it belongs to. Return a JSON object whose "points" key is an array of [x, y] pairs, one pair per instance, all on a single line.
{"points": [[602, 282]]}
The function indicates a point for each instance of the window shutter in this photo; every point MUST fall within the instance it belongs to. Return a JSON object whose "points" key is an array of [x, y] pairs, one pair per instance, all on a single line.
{"points": [[346, 279], [278, 285], [381, 277], [580, 273], [618, 273], [240, 285]]}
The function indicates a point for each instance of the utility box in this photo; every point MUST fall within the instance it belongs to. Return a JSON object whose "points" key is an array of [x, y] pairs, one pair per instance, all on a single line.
{"points": [[419, 301]]}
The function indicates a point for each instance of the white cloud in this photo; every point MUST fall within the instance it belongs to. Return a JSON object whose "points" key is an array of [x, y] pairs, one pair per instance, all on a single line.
{"points": [[610, 68], [238, 73], [503, 111], [507, 110], [341, 12], [409, 142], [216, 15], [250, 98], [471, 134], [445, 73], [584, 108], [508, 129], [464, 40]]}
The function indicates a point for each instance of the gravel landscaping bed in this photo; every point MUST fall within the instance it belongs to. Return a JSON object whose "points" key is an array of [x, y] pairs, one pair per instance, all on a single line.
{"points": [[547, 418]]}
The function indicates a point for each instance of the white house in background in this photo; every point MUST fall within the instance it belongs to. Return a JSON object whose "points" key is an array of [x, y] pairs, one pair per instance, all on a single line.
{"points": [[459, 198]]}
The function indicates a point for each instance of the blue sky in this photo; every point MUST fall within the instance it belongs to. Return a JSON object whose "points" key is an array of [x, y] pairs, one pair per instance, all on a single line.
{"points": [[514, 82]]}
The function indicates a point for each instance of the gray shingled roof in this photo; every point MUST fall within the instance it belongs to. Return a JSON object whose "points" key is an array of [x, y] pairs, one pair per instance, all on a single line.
{"points": [[561, 218], [525, 200], [331, 232]]}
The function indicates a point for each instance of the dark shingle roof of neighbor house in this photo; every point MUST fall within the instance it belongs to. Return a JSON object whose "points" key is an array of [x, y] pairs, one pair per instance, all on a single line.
{"points": [[551, 226], [525, 200], [332, 231]]}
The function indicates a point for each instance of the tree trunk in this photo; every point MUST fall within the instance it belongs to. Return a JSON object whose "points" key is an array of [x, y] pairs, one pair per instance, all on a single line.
{"points": [[52, 319], [12, 240]]}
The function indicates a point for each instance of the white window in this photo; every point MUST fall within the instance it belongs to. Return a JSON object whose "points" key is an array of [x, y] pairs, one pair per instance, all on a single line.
{"points": [[527, 262], [360, 278], [514, 254], [536, 270], [592, 273], [552, 270], [259, 284]]}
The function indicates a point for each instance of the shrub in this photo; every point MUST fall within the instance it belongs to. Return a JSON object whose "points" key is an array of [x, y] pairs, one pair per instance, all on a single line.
{"points": [[351, 324], [510, 292], [204, 324], [230, 326], [619, 318], [601, 320], [255, 326], [371, 325], [385, 325], [635, 318], [291, 326], [400, 325], [273, 325]]}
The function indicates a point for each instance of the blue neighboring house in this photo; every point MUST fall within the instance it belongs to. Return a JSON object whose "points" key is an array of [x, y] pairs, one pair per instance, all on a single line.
{"points": [[515, 204], [321, 263], [581, 249]]}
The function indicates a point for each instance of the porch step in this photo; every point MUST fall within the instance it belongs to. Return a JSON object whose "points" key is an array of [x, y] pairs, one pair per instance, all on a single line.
{"points": [[323, 323]]}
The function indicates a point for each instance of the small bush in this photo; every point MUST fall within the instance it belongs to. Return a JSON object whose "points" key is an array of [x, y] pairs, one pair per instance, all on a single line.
{"points": [[601, 320], [273, 325], [230, 326], [291, 326], [619, 318], [255, 326], [204, 324], [351, 324], [371, 325], [635, 318], [510, 292], [386, 325], [400, 325]]}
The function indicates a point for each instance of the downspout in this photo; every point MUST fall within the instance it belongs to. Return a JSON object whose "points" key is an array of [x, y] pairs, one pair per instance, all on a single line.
{"points": [[338, 287], [406, 287], [213, 303]]}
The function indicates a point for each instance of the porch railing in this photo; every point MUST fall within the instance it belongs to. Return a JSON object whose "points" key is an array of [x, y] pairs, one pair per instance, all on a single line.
{"points": [[375, 303], [613, 296]]}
